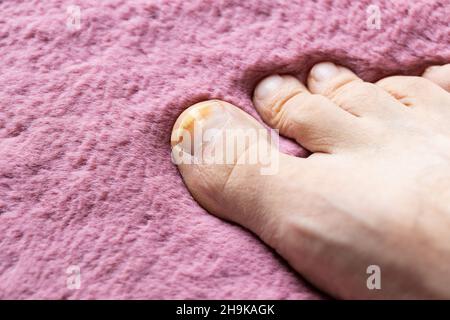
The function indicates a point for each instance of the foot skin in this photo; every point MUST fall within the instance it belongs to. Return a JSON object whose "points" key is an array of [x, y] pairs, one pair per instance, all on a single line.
{"points": [[374, 191]]}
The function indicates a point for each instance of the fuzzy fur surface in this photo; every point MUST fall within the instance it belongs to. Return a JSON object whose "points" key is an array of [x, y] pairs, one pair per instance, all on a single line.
{"points": [[86, 178]]}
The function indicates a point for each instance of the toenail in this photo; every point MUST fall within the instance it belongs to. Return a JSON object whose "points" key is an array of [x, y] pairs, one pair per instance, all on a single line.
{"points": [[324, 71], [204, 119], [268, 86]]}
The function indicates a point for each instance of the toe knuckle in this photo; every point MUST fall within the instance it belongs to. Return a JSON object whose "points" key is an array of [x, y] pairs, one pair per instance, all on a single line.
{"points": [[364, 88], [404, 83], [310, 106], [315, 99], [355, 91]]}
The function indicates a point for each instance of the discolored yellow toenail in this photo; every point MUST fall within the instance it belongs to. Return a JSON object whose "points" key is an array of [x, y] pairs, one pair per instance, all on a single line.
{"points": [[194, 123], [187, 119]]}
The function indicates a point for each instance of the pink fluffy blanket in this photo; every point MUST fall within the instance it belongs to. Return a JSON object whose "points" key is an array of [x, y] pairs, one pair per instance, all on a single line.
{"points": [[90, 204]]}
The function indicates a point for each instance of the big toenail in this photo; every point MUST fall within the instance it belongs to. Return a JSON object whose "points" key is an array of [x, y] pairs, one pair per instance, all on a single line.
{"points": [[324, 71], [199, 126], [268, 86]]}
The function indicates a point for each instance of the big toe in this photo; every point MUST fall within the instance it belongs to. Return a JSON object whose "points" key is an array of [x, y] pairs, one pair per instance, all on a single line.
{"points": [[229, 162]]}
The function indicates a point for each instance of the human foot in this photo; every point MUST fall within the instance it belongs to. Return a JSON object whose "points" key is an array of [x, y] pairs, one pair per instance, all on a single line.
{"points": [[374, 191]]}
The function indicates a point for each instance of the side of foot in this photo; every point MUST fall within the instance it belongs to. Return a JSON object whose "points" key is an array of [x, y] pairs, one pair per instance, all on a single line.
{"points": [[374, 191]]}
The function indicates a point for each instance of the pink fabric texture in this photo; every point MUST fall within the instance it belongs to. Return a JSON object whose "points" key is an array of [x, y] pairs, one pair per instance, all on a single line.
{"points": [[86, 178]]}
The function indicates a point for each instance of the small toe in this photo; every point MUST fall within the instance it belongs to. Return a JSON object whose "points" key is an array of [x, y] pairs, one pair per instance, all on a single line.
{"points": [[312, 120], [326, 76], [349, 92], [439, 75], [416, 92]]}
